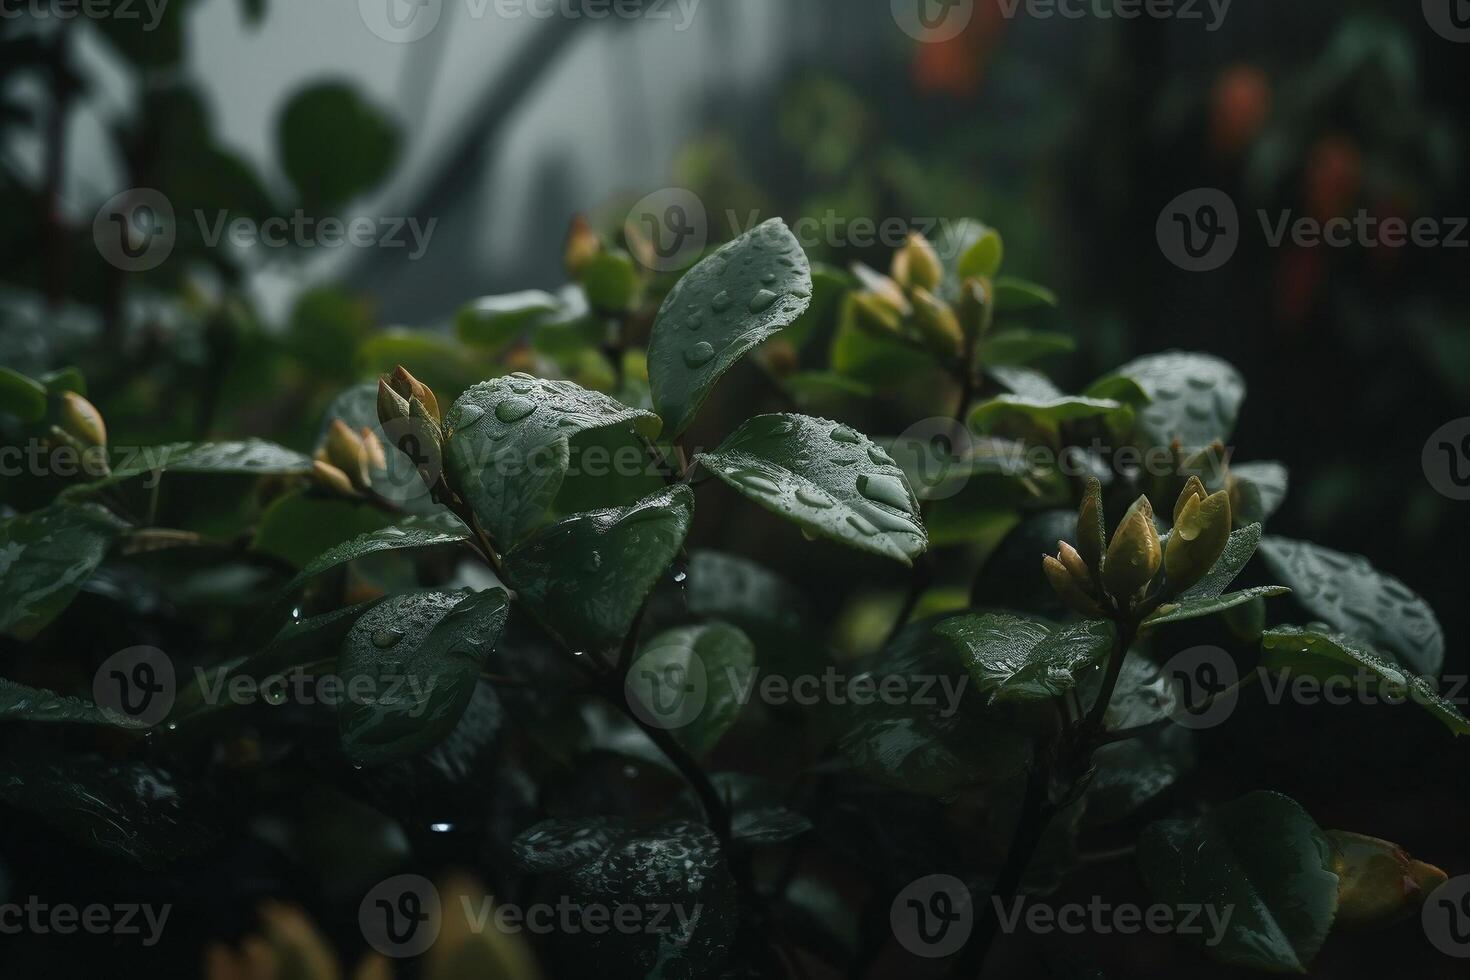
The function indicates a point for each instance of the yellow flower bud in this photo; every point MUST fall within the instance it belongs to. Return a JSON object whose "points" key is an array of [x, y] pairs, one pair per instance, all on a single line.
{"points": [[1066, 587], [1192, 488], [583, 245], [346, 452], [80, 419], [328, 476], [917, 265], [1378, 884], [870, 312], [1092, 532], [1200, 533], [936, 323], [1134, 555], [377, 460], [1076, 567], [409, 388]]}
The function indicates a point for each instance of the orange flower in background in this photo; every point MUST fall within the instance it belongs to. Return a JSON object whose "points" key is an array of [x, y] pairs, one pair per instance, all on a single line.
{"points": [[1333, 178], [956, 66], [1240, 104]]}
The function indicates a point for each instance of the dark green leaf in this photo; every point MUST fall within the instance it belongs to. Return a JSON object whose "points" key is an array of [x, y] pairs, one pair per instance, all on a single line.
{"points": [[1194, 398], [745, 292], [21, 396], [1019, 347], [249, 457], [21, 703], [1017, 295], [1198, 606], [507, 446], [1351, 595], [410, 532], [1132, 773], [693, 681], [420, 656], [300, 525], [586, 576], [335, 145], [1262, 858], [45, 557], [826, 477], [1046, 414], [494, 321], [1019, 659]]}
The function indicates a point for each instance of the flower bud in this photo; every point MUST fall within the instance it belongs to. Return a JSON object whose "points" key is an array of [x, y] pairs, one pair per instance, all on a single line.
{"points": [[408, 387], [1192, 488], [1066, 587], [377, 460], [1209, 463], [424, 444], [1200, 533], [917, 265], [80, 419], [1075, 566], [936, 323], [583, 245], [1378, 884], [392, 407], [871, 313], [1092, 531], [1134, 555], [328, 476], [346, 452], [974, 307]]}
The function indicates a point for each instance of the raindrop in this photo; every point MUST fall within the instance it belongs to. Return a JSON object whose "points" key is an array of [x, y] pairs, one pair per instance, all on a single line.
{"points": [[700, 354], [843, 434], [722, 301], [884, 489], [696, 320], [441, 828], [762, 301], [680, 575], [813, 499], [758, 482], [768, 278], [514, 409], [383, 639], [469, 415]]}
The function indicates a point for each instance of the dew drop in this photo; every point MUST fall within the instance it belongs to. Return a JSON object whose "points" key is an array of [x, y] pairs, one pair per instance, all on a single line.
{"points": [[680, 576], [700, 354], [696, 320], [813, 499], [879, 457], [768, 278], [762, 301], [861, 526], [883, 489], [722, 301], [383, 639], [514, 409], [843, 434], [469, 415], [441, 828], [759, 482]]}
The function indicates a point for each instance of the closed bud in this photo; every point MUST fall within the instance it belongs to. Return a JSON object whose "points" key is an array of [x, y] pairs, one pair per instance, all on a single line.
{"points": [[392, 407], [1209, 463], [871, 313], [936, 323], [376, 458], [1134, 554], [917, 265], [974, 307], [1193, 488], [428, 443], [1066, 587], [80, 419], [1200, 534], [329, 477], [1378, 884], [1075, 566], [583, 245], [409, 388], [1092, 532], [345, 452]]}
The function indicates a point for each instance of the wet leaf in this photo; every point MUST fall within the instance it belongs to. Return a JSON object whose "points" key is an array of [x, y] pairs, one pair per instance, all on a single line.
{"points": [[1197, 606], [706, 668], [410, 532], [1194, 398], [45, 557], [1015, 659]]}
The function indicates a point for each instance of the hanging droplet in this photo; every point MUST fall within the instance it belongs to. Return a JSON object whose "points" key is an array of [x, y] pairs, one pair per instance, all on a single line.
{"points": [[383, 639], [883, 489], [762, 301], [759, 482], [700, 354], [843, 434], [514, 409], [813, 499], [469, 415]]}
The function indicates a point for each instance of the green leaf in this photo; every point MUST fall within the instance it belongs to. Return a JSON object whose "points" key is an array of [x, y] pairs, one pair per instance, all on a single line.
{"points": [[1320, 653], [31, 704], [1351, 595], [611, 282], [1194, 398], [1014, 295], [585, 577], [1198, 606], [1142, 696], [740, 591], [300, 525], [936, 745], [982, 259], [1132, 773], [731, 301], [248, 457], [507, 446], [45, 557], [1262, 490], [1046, 413], [1019, 347], [21, 396], [420, 657], [494, 321], [707, 669], [875, 359], [335, 145], [826, 477], [1029, 383], [1261, 855], [410, 532], [1019, 659], [1237, 554]]}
